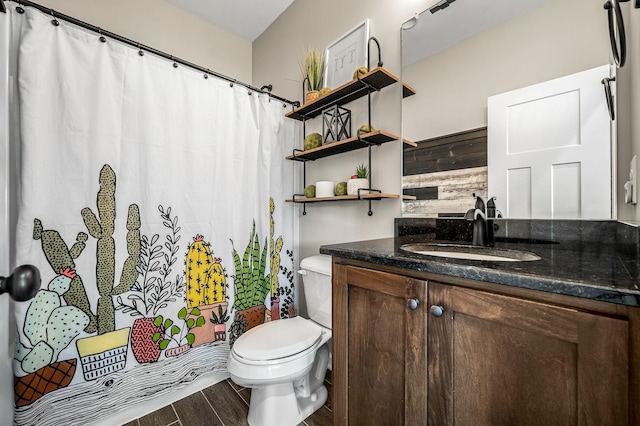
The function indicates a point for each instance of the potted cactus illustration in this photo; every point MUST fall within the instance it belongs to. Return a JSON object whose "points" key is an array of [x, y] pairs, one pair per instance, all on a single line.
{"points": [[219, 323], [154, 289], [107, 351], [50, 327], [206, 285], [251, 283], [61, 257], [275, 247], [182, 337]]}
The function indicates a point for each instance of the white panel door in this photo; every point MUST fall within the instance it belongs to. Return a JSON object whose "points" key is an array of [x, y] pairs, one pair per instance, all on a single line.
{"points": [[549, 149], [6, 376]]}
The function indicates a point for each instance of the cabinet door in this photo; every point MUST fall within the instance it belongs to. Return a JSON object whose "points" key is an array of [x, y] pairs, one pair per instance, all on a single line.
{"points": [[498, 360], [379, 358]]}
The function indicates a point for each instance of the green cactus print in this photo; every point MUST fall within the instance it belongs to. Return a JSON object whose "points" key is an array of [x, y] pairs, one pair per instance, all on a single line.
{"points": [[275, 247], [251, 283], [49, 326], [101, 227], [60, 257]]}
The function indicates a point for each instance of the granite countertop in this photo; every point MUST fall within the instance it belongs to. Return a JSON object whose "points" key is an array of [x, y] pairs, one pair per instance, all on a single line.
{"points": [[590, 267]]}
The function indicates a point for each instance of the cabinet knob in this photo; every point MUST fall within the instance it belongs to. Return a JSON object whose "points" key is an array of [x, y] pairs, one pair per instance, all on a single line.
{"points": [[413, 304], [437, 310]]}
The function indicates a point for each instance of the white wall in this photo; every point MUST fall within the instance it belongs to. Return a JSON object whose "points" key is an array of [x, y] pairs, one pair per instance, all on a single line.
{"points": [[276, 54], [163, 26]]}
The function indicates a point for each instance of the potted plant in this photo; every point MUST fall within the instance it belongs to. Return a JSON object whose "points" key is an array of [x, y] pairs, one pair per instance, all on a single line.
{"points": [[252, 283], [154, 288], [182, 337], [219, 323], [312, 67], [359, 180]]}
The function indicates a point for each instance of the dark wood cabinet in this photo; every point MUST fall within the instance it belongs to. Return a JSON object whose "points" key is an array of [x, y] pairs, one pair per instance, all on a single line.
{"points": [[379, 359], [476, 353], [499, 360]]}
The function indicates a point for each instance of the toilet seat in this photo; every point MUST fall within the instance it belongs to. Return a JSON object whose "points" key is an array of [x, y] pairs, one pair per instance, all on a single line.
{"points": [[286, 338]]}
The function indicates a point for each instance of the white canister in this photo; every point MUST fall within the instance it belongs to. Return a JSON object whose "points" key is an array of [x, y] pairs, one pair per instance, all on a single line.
{"points": [[325, 188]]}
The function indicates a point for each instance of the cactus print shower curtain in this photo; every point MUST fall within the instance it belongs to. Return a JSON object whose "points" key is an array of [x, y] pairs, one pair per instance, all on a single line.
{"points": [[152, 200]]}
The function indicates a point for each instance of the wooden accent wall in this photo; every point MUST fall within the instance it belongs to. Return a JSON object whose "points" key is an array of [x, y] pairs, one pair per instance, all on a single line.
{"points": [[444, 172]]}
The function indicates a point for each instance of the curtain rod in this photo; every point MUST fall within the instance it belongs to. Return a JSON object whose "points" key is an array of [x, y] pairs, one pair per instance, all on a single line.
{"points": [[140, 46]]}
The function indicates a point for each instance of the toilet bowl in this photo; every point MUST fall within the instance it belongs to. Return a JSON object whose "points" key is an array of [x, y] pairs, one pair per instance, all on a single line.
{"points": [[284, 362]]}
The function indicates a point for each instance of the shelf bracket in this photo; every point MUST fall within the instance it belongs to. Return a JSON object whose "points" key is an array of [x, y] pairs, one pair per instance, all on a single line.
{"points": [[304, 205], [369, 53]]}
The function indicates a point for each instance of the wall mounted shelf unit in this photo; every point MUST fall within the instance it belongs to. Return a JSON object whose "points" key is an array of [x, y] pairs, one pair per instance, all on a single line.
{"points": [[372, 81], [376, 138]]}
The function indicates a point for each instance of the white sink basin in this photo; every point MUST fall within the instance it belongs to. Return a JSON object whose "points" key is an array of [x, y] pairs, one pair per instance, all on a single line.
{"points": [[455, 251]]}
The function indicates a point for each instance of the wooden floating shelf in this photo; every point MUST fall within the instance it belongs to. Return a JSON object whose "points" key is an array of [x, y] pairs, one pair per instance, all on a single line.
{"points": [[375, 196], [408, 142], [376, 78], [377, 138], [407, 90]]}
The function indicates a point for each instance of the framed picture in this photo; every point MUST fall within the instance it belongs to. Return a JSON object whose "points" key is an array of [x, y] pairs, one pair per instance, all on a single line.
{"points": [[345, 55]]}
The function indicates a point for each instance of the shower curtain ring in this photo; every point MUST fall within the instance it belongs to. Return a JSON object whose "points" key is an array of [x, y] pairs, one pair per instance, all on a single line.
{"points": [[54, 21], [206, 74], [140, 52], [232, 82], [19, 9], [102, 38], [175, 64]]}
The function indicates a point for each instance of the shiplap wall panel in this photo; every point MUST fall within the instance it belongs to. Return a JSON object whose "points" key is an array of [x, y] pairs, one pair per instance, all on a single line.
{"points": [[452, 166]]}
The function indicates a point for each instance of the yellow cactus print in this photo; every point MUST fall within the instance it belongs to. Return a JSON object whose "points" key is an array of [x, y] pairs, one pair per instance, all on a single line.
{"points": [[205, 278]]}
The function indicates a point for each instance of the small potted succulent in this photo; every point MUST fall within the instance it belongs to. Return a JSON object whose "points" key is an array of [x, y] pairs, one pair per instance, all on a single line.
{"points": [[219, 323], [358, 180]]}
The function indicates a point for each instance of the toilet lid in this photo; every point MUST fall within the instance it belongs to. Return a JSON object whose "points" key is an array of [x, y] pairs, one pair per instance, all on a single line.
{"points": [[277, 339]]}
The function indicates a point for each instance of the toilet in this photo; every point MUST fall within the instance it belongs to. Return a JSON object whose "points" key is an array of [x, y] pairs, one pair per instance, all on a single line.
{"points": [[284, 362]]}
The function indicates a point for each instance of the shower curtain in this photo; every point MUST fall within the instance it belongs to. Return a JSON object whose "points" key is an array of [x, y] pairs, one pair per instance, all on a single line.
{"points": [[152, 199]]}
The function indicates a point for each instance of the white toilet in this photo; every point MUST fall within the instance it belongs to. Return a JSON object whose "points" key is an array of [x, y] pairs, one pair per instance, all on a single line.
{"points": [[285, 361]]}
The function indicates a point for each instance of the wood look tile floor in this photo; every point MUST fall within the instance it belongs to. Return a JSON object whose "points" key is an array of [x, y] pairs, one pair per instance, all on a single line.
{"points": [[223, 404]]}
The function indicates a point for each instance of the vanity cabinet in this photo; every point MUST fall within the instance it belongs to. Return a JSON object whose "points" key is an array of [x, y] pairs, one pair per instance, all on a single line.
{"points": [[476, 353], [379, 348], [499, 360]]}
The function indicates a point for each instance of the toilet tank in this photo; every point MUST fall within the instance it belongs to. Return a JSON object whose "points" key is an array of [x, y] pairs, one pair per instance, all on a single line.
{"points": [[316, 279]]}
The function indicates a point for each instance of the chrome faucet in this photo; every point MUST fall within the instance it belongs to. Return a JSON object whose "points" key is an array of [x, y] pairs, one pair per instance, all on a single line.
{"points": [[482, 216]]}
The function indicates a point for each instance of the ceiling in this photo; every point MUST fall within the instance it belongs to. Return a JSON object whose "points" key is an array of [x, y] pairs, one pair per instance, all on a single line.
{"points": [[245, 18]]}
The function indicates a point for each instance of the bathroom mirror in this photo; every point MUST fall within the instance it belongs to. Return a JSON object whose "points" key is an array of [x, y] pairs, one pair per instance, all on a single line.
{"points": [[458, 56]]}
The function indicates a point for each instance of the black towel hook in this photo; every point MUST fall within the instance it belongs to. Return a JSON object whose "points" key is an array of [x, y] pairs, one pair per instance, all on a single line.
{"points": [[616, 31]]}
